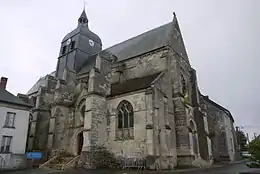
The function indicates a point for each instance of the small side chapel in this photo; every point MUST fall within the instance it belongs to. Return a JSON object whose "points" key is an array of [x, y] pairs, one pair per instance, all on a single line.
{"points": [[138, 98]]}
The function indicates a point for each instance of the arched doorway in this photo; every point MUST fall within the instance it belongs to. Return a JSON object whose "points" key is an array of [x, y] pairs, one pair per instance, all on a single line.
{"points": [[80, 142]]}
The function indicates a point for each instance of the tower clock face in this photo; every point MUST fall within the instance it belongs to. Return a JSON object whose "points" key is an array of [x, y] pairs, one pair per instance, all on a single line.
{"points": [[91, 43]]}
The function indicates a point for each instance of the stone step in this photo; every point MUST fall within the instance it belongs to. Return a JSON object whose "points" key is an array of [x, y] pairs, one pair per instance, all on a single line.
{"points": [[55, 166], [61, 160]]}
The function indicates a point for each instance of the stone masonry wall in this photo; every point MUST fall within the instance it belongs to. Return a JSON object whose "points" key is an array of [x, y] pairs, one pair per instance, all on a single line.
{"points": [[164, 122], [96, 107], [144, 65], [177, 67], [137, 146], [221, 130], [42, 113]]}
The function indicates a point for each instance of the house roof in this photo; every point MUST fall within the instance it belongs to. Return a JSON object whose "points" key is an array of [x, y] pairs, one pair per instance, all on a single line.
{"points": [[218, 106], [7, 97], [148, 41], [133, 85]]}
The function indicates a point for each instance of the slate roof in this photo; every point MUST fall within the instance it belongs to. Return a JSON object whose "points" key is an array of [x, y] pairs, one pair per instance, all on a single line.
{"points": [[84, 30], [218, 106], [143, 43], [40, 83], [133, 85], [9, 98]]}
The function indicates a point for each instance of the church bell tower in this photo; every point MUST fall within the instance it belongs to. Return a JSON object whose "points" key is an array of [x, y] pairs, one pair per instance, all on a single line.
{"points": [[77, 47]]}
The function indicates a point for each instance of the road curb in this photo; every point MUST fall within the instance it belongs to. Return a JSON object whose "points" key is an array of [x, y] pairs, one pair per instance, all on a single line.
{"points": [[201, 169]]}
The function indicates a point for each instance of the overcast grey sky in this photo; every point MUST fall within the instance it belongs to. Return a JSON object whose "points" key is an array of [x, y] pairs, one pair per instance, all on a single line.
{"points": [[221, 38]]}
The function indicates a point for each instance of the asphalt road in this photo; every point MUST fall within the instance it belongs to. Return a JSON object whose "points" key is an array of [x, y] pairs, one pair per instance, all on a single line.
{"points": [[227, 169]]}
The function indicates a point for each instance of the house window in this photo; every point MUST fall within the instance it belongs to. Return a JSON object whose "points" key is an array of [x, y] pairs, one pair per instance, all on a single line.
{"points": [[64, 48], [9, 120], [6, 144], [72, 46], [125, 121]]}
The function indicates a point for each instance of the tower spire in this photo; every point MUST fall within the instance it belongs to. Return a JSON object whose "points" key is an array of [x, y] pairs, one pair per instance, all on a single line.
{"points": [[84, 8], [83, 17]]}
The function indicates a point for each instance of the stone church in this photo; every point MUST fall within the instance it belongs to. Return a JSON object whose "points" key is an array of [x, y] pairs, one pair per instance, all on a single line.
{"points": [[138, 98]]}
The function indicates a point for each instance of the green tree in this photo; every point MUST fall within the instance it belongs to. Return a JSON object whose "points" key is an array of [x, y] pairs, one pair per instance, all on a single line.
{"points": [[254, 149], [242, 140]]}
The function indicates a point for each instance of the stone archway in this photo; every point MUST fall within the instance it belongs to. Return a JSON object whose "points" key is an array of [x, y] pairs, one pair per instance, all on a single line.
{"points": [[80, 140]]}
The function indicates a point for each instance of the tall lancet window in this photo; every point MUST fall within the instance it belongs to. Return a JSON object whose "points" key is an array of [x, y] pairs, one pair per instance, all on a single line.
{"points": [[125, 121], [81, 110], [183, 84]]}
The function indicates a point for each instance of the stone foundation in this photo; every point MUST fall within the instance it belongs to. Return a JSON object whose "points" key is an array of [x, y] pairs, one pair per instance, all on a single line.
{"points": [[99, 157], [149, 162], [185, 160]]}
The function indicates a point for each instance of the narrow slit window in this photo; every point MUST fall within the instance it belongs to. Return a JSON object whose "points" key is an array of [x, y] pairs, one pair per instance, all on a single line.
{"points": [[64, 48], [72, 46]]}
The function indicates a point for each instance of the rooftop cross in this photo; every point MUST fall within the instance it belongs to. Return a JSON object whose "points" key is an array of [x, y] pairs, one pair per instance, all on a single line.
{"points": [[85, 3]]}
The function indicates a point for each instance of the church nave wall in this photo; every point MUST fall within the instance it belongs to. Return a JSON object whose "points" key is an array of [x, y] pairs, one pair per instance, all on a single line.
{"points": [[147, 64], [126, 140]]}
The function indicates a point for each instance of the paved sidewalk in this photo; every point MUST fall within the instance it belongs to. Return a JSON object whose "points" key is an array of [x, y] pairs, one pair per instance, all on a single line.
{"points": [[229, 168]]}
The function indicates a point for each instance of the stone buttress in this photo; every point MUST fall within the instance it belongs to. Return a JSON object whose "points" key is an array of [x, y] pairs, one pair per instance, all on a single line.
{"points": [[96, 107]]}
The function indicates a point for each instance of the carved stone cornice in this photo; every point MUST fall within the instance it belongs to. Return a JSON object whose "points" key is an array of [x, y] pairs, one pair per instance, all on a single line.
{"points": [[149, 91], [39, 109]]}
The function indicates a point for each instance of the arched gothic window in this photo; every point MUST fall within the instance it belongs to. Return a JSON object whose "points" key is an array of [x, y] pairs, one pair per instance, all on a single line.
{"points": [[193, 136], [82, 107], [83, 110], [125, 120]]}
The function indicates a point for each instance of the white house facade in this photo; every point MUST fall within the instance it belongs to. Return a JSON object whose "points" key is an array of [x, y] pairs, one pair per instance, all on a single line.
{"points": [[14, 119]]}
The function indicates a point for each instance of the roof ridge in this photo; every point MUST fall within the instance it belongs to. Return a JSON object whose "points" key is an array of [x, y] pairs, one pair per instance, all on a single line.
{"points": [[151, 30]]}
